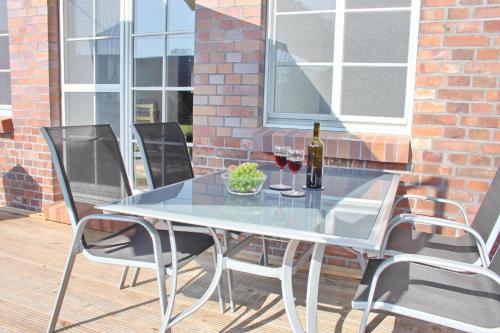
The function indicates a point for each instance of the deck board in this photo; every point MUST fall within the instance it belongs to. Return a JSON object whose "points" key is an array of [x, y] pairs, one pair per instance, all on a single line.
{"points": [[32, 257]]}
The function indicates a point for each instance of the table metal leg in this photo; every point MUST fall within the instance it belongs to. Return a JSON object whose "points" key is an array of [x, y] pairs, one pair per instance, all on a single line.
{"points": [[166, 323], [286, 286], [313, 286]]}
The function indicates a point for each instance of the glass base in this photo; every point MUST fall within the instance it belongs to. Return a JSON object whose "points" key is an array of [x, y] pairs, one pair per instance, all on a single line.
{"points": [[293, 194], [280, 187]]}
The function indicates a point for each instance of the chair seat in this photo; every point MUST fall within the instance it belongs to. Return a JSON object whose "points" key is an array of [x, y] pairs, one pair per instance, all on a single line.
{"points": [[463, 249], [471, 299], [135, 244]]}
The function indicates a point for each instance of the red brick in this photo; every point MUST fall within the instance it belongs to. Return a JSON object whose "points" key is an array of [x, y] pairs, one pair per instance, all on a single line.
{"points": [[458, 80], [484, 12], [457, 94], [471, 40], [458, 13], [492, 26], [488, 54], [481, 121]]}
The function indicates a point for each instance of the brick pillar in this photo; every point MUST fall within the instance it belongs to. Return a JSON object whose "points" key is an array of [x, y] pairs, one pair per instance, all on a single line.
{"points": [[27, 178], [456, 135], [228, 80]]}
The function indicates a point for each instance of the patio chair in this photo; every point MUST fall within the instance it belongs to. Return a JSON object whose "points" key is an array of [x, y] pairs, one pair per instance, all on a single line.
{"points": [[474, 246], [444, 292], [90, 169], [166, 161]]}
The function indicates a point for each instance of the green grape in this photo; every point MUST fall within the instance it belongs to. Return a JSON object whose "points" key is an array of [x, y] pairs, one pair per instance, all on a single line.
{"points": [[245, 178]]}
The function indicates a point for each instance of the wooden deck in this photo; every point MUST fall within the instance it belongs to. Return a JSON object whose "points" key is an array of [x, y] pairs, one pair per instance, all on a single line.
{"points": [[32, 256]]}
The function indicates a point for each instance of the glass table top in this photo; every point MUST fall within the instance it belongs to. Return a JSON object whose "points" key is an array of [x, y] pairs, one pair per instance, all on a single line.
{"points": [[352, 210]]}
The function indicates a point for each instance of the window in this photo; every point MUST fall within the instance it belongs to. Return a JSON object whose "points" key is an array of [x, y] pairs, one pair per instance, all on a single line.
{"points": [[5, 93], [348, 63], [91, 69], [127, 61], [162, 66]]}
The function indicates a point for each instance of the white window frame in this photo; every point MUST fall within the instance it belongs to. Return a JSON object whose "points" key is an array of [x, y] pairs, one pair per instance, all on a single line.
{"points": [[125, 87], [6, 109], [349, 123]]}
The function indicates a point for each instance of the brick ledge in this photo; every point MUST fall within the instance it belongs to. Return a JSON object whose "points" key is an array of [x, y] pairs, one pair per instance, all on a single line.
{"points": [[357, 146]]}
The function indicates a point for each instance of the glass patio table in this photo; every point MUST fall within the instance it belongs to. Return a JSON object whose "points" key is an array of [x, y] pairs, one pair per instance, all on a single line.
{"points": [[352, 211]]}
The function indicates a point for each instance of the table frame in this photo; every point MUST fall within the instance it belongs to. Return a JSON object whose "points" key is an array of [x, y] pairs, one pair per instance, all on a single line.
{"points": [[289, 265]]}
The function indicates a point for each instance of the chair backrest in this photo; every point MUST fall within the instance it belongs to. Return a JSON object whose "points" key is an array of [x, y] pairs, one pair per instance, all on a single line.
{"points": [[487, 220], [89, 166], [164, 153]]}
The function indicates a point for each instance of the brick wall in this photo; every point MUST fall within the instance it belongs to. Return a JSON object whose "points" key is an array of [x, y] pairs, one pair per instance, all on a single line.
{"points": [[455, 140], [456, 135], [229, 81], [27, 177]]}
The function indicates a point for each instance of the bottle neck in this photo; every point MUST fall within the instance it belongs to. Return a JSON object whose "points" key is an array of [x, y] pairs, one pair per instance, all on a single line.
{"points": [[316, 131]]}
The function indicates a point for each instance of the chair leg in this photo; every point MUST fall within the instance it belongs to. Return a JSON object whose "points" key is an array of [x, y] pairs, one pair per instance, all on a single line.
{"points": [[121, 285], [62, 287], [264, 259], [134, 277], [222, 303], [229, 274]]}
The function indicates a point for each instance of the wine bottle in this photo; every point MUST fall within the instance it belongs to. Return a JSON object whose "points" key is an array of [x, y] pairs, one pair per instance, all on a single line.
{"points": [[315, 160]]}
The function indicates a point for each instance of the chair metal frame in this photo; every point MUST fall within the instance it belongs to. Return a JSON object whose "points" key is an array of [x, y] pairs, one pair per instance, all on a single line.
{"points": [[484, 245], [459, 267], [78, 226]]}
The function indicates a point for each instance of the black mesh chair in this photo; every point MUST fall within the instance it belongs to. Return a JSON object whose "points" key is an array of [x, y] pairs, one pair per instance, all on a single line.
{"points": [[166, 161], [450, 293], [90, 169]]}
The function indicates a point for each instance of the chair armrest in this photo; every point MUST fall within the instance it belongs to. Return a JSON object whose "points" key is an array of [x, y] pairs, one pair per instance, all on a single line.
{"points": [[435, 221], [440, 200], [153, 233]]}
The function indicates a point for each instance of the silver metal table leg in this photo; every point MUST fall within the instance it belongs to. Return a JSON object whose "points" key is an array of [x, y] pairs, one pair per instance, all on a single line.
{"points": [[312, 287], [286, 286], [229, 273], [222, 304], [167, 323]]}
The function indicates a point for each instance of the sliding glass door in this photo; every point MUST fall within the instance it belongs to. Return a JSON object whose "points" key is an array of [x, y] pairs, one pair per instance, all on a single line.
{"points": [[127, 61]]}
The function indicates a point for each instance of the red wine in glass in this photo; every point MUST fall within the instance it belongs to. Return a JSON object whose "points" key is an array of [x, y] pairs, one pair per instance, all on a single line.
{"points": [[280, 160], [294, 166], [280, 156]]}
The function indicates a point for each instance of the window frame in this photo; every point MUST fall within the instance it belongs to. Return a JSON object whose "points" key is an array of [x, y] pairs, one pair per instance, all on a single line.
{"points": [[351, 123], [6, 109], [125, 87]]}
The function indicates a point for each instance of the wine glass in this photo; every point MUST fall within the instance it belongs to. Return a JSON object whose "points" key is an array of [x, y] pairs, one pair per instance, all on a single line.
{"points": [[280, 159], [295, 158]]}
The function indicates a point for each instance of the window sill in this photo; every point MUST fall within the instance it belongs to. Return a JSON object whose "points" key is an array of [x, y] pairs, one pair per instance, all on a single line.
{"points": [[6, 126], [356, 146]]}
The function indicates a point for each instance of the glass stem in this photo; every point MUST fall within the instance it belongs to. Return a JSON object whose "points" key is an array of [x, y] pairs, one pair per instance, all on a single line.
{"points": [[281, 176], [293, 182]]}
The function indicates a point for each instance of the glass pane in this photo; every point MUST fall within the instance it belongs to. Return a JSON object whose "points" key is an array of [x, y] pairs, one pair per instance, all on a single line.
{"points": [[78, 18], [180, 15], [149, 16], [305, 38], [351, 4], [180, 58], [366, 37], [147, 106], [5, 91], [79, 65], [3, 17], [108, 110], [108, 61], [148, 61], [4, 52], [180, 109], [303, 89], [108, 17], [373, 91], [304, 5], [79, 109]]}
